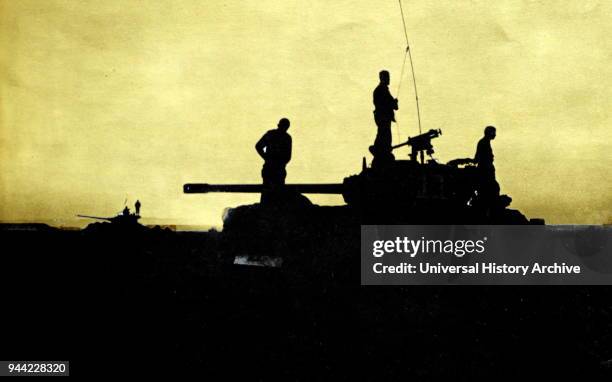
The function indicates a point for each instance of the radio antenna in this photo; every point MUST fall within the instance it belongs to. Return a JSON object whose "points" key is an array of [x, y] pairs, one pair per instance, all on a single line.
{"points": [[409, 54]]}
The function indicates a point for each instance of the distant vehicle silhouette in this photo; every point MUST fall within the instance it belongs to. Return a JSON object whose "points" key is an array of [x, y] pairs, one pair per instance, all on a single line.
{"points": [[124, 218]]}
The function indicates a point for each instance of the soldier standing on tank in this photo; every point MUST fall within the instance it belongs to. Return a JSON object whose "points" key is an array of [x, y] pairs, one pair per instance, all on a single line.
{"points": [[137, 207], [384, 113], [484, 160], [275, 149]]}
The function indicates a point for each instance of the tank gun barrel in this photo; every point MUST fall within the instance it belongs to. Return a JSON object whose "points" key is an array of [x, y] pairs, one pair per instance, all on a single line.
{"points": [[94, 217], [204, 188]]}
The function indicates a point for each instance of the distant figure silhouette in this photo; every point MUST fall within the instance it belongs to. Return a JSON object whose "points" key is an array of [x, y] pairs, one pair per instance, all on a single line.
{"points": [[384, 113], [126, 211], [137, 207], [275, 148], [484, 159]]}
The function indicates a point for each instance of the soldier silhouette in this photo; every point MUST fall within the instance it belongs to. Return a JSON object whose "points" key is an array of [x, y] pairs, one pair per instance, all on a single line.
{"points": [[384, 113], [137, 207], [275, 148], [126, 211], [484, 159], [484, 152]]}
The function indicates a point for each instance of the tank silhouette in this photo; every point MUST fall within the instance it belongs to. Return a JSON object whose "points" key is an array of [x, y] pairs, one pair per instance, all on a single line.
{"points": [[125, 219], [412, 191]]}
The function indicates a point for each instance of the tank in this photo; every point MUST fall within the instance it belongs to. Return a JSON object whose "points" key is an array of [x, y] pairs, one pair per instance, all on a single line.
{"points": [[122, 221], [417, 190]]}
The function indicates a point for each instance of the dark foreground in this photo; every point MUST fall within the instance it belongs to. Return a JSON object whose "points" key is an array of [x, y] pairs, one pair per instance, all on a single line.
{"points": [[159, 302]]}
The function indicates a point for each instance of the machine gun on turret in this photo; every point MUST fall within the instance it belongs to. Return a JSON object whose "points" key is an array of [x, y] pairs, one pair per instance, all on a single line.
{"points": [[420, 144]]}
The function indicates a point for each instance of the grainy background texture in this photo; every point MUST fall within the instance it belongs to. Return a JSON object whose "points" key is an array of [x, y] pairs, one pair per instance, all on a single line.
{"points": [[106, 100]]}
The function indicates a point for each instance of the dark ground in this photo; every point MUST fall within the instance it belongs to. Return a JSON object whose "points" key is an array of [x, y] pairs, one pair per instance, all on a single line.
{"points": [[158, 301]]}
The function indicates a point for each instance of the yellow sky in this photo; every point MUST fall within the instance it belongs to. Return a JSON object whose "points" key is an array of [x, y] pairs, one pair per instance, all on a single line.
{"points": [[106, 100]]}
